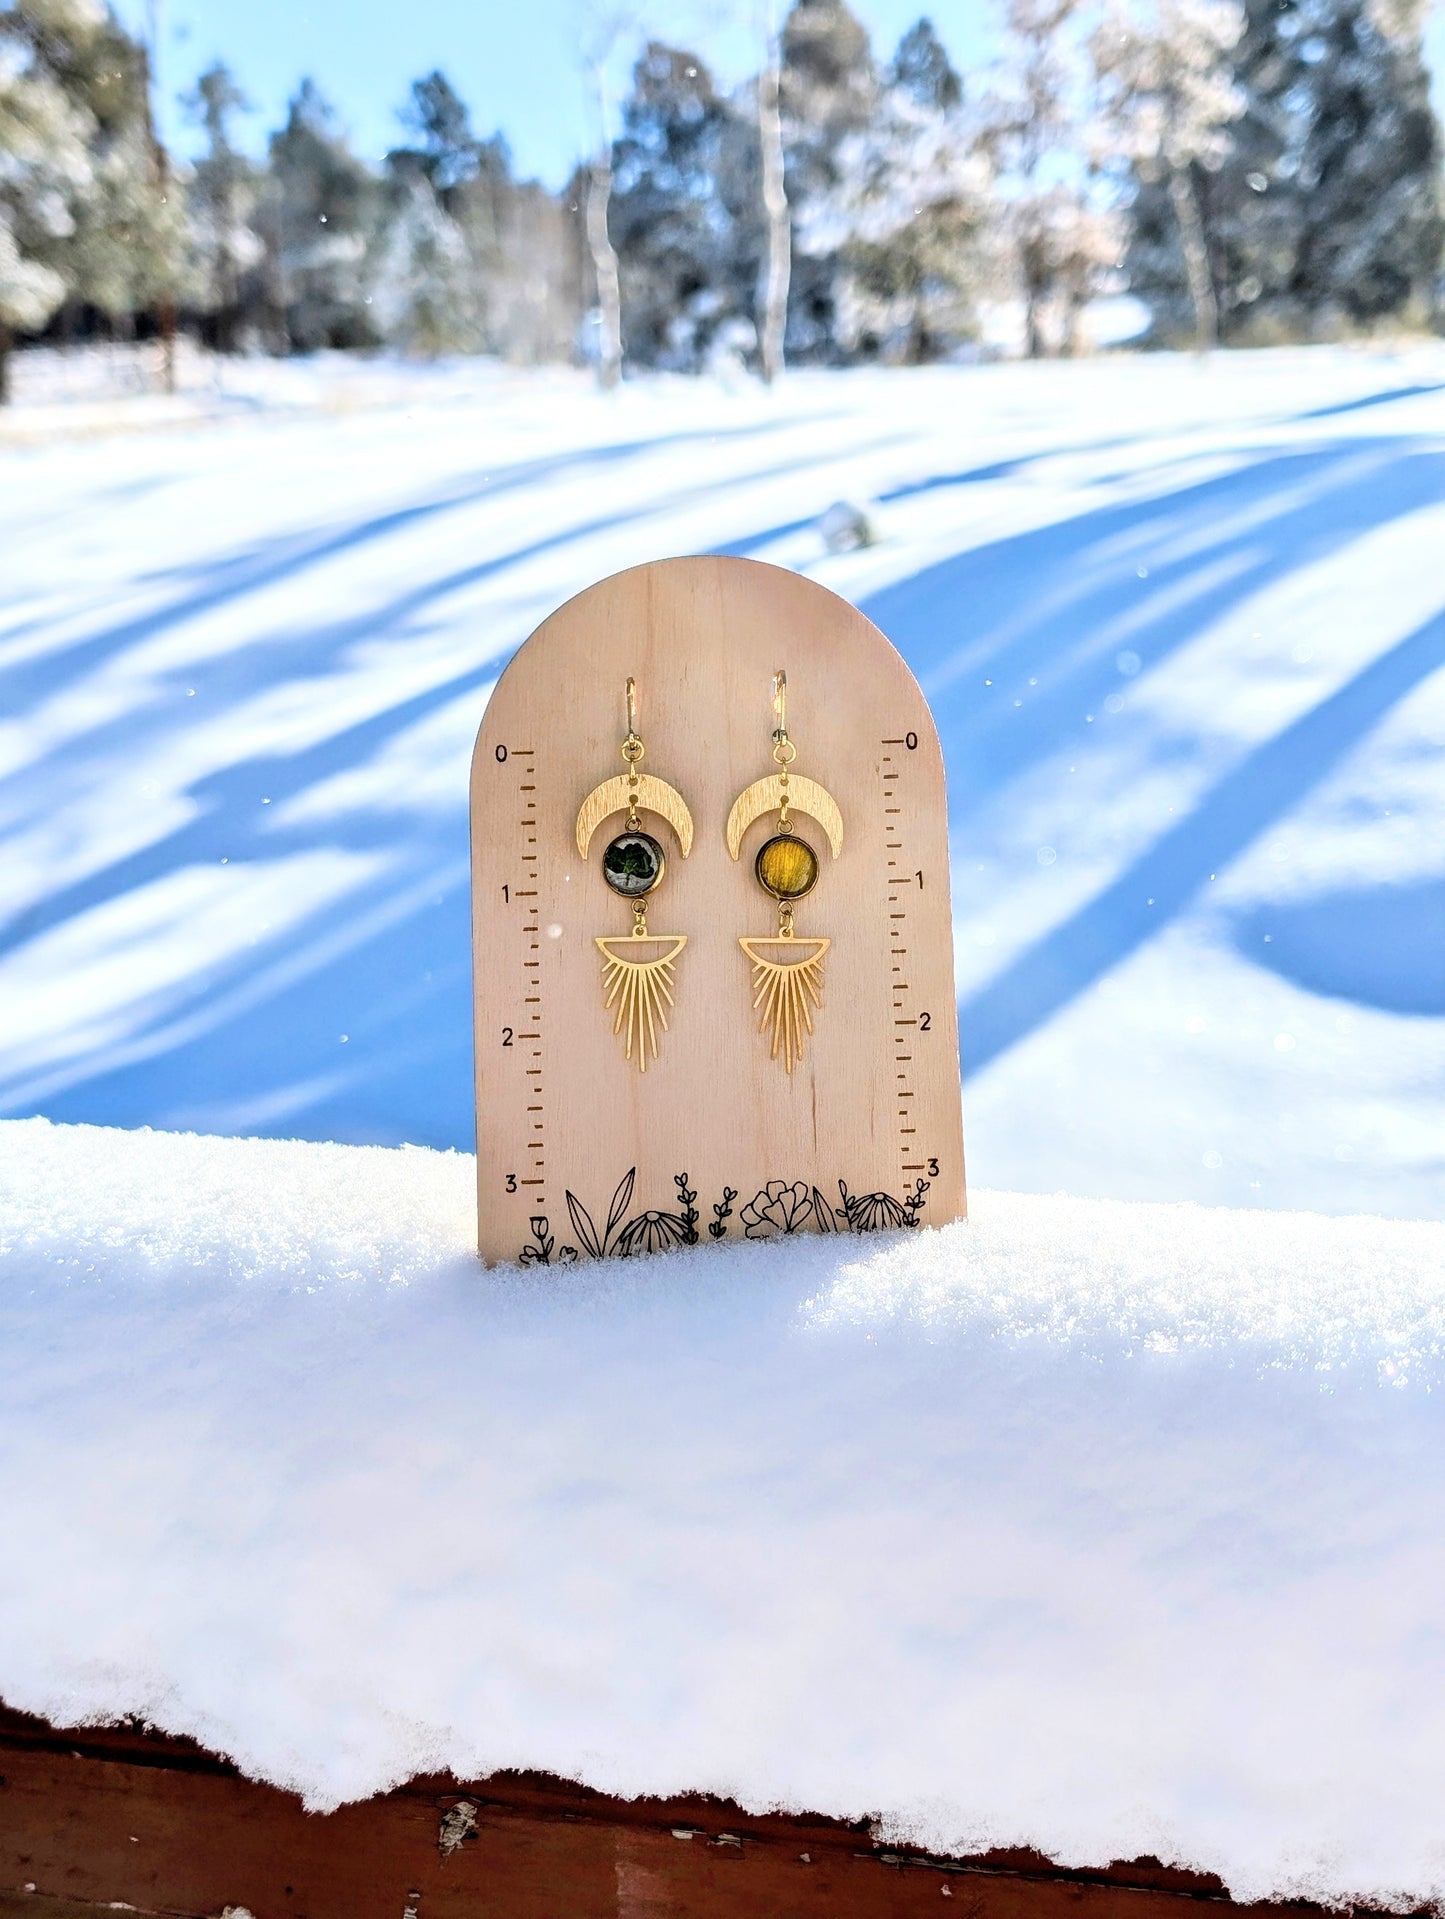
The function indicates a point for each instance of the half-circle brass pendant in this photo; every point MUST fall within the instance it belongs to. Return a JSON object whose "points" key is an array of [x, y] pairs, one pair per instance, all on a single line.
{"points": [[640, 989], [786, 988], [619, 795], [767, 795]]}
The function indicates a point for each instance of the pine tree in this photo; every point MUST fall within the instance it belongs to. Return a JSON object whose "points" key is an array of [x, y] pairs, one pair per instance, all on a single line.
{"points": [[1369, 167], [44, 138], [908, 213], [829, 82], [473, 259], [1325, 213], [221, 204], [673, 232], [1060, 239], [428, 292], [1167, 92], [425, 298], [923, 72], [828, 90], [446, 150], [535, 291], [115, 223], [129, 235], [319, 220]]}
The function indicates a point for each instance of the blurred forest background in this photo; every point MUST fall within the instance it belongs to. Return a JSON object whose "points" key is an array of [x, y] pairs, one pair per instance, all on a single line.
{"points": [[1250, 174]]}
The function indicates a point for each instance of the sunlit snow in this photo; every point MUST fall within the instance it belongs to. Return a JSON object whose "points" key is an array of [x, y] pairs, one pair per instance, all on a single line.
{"points": [[1105, 1528]]}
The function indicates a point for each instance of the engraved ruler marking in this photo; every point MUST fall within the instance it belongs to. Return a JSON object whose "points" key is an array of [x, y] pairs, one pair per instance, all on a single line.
{"points": [[901, 882], [534, 1130]]}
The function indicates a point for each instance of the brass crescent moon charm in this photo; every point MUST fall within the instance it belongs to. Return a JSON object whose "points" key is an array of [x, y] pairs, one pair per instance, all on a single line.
{"points": [[766, 796], [651, 794]]}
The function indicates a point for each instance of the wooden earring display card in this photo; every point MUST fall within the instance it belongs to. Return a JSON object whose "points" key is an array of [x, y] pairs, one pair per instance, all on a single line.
{"points": [[579, 1153]]}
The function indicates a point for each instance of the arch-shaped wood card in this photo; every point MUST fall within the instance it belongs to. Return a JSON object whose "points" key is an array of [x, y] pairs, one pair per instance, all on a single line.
{"points": [[579, 1152]]}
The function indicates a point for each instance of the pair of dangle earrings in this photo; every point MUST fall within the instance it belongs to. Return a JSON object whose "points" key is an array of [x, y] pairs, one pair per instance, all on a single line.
{"points": [[787, 968]]}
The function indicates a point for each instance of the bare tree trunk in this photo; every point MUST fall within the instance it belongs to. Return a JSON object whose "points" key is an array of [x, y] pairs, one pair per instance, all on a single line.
{"points": [[278, 291], [1196, 259], [775, 208], [6, 341], [1035, 289], [167, 314], [225, 291], [1035, 346], [599, 241], [604, 266], [1072, 342]]}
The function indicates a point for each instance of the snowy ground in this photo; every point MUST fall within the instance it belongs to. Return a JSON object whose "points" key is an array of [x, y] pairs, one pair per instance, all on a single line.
{"points": [[1109, 1529], [1182, 627]]}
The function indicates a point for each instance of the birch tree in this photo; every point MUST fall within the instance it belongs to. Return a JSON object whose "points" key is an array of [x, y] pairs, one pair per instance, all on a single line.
{"points": [[169, 227], [772, 333], [603, 33]]}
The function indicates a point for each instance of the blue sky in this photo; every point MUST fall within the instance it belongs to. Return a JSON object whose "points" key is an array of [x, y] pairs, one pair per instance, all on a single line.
{"points": [[516, 65]]}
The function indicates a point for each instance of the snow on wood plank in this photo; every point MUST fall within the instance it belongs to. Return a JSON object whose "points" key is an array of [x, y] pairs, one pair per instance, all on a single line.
{"points": [[120, 1816], [1105, 1529]]}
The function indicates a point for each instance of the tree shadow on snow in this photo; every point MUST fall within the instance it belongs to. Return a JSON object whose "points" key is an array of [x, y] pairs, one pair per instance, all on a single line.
{"points": [[265, 660], [1380, 946], [1267, 783], [1018, 642], [215, 582], [256, 1044]]}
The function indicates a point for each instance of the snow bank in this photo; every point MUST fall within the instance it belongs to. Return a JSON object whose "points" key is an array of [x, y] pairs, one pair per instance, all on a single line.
{"points": [[1104, 1528]]}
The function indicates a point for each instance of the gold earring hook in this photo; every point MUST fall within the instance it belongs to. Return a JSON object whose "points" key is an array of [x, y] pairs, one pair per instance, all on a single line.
{"points": [[784, 751], [632, 747]]}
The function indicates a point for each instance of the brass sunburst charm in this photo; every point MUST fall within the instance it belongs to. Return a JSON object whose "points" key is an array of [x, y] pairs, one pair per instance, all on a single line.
{"points": [[640, 989], [786, 989]]}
